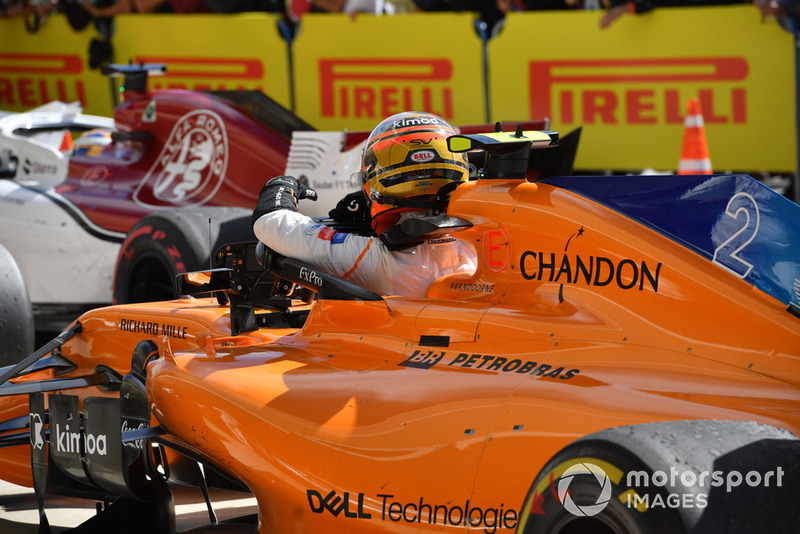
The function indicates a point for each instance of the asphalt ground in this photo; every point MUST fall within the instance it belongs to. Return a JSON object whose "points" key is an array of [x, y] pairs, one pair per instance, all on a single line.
{"points": [[19, 513]]}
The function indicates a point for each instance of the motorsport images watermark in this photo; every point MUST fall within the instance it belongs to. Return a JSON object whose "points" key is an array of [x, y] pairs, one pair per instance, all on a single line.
{"points": [[694, 494]]}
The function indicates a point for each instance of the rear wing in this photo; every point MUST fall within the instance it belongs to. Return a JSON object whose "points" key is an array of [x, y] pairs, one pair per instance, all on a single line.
{"points": [[134, 74], [507, 154]]}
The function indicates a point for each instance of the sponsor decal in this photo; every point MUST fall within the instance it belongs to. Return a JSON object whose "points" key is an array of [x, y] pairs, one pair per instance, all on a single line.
{"points": [[597, 271], [326, 234], [379, 88], [149, 113], [468, 515], [414, 512], [310, 276], [418, 121], [95, 175], [137, 443], [35, 167], [335, 505], [423, 359], [609, 91], [495, 249], [191, 166], [30, 80], [421, 156], [152, 328], [439, 240], [37, 431], [69, 441]]}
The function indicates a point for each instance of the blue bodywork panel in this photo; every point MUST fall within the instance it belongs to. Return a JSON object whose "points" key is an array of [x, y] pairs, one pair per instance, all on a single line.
{"points": [[733, 220]]}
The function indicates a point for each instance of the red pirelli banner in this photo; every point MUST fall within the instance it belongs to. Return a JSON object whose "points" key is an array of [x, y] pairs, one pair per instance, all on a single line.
{"points": [[628, 85]]}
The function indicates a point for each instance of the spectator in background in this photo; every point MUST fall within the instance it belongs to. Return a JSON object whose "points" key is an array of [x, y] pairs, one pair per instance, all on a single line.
{"points": [[617, 8], [535, 5], [11, 8], [488, 10], [146, 6], [239, 6], [378, 7], [786, 12]]}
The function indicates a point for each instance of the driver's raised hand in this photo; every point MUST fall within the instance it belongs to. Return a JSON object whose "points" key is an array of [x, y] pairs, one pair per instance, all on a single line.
{"points": [[281, 193]]}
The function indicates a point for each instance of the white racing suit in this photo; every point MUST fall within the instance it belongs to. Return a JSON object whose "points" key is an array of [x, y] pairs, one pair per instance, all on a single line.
{"points": [[363, 260]]}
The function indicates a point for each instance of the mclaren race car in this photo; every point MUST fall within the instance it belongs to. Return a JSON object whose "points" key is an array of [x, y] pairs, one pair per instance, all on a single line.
{"points": [[95, 210], [625, 359]]}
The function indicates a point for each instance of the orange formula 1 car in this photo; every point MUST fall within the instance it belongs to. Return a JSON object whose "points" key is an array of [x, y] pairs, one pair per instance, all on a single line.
{"points": [[625, 359]]}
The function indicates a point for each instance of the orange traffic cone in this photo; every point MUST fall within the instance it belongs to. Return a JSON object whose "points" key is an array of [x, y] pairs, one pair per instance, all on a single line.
{"points": [[66, 141], [694, 154]]}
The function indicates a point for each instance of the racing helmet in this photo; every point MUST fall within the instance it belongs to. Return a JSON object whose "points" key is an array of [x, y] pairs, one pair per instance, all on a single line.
{"points": [[91, 142], [406, 161]]}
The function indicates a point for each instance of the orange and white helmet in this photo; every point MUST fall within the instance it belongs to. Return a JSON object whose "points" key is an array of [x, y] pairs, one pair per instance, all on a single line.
{"points": [[406, 161]]}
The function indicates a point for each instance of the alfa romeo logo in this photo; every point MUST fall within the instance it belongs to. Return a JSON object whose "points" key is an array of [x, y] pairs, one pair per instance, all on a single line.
{"points": [[191, 165], [602, 480]]}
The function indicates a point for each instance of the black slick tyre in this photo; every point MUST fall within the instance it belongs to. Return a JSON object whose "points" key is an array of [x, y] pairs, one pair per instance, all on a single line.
{"points": [[17, 333], [671, 477], [163, 245]]}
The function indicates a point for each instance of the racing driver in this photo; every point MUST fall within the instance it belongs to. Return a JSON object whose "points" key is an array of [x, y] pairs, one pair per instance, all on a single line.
{"points": [[404, 165]]}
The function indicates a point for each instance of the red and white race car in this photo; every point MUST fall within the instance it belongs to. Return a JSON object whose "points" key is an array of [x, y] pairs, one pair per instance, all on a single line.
{"points": [[95, 210]]}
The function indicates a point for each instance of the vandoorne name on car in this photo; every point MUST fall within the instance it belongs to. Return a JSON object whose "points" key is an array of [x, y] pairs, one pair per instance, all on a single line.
{"points": [[593, 271], [153, 328]]}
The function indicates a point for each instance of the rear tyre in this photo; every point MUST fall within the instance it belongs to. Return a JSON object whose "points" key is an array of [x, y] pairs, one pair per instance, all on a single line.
{"points": [[670, 477], [580, 491], [163, 245], [17, 332]]}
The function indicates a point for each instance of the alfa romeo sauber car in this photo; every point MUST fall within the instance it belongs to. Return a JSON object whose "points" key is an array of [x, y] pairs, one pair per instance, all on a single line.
{"points": [[624, 359]]}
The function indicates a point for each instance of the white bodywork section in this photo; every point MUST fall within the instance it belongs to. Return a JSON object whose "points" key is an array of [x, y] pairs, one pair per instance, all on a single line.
{"points": [[39, 158], [64, 257], [52, 241], [318, 159]]}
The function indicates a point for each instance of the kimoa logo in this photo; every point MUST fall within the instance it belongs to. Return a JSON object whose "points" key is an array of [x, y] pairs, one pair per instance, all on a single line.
{"points": [[69, 441], [603, 481]]}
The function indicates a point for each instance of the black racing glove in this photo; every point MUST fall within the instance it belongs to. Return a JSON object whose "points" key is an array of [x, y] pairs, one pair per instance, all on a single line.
{"points": [[354, 207], [281, 193]]}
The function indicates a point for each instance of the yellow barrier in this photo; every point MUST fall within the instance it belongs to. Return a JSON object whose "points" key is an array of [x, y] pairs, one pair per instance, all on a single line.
{"points": [[48, 65], [208, 52], [354, 71], [627, 85]]}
